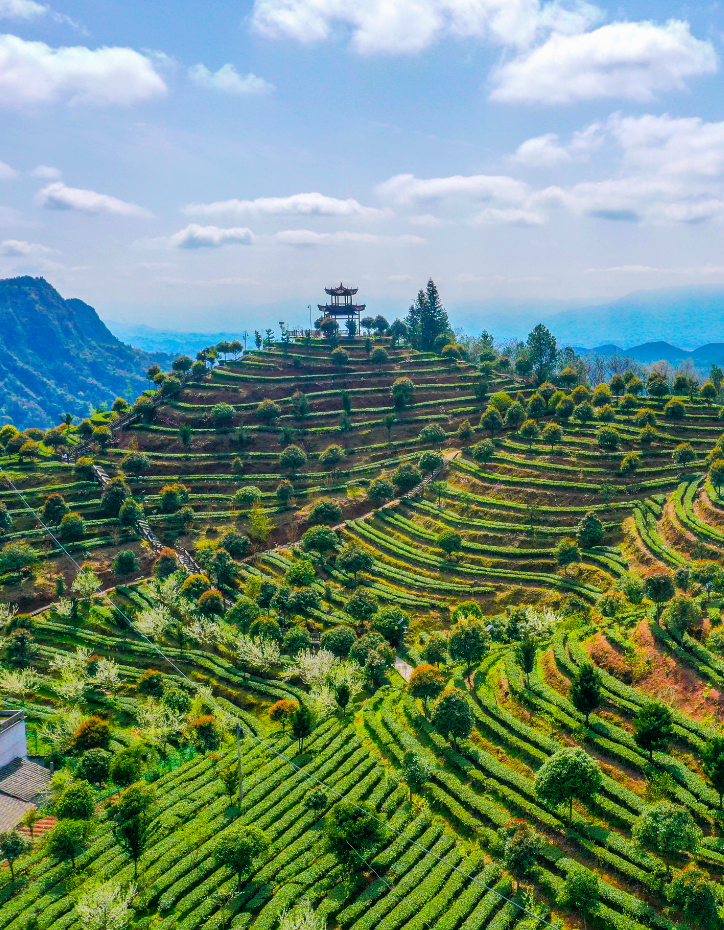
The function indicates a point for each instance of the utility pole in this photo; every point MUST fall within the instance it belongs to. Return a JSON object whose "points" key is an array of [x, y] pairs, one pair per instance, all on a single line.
{"points": [[239, 737], [245, 337]]}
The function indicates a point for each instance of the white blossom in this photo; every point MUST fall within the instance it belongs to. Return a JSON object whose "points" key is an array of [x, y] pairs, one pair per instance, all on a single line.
{"points": [[301, 917], [60, 730], [86, 584], [64, 608], [7, 612], [158, 721], [168, 591], [257, 653], [72, 664], [69, 688], [323, 672], [204, 631], [106, 907], [107, 676], [153, 622], [19, 683]]}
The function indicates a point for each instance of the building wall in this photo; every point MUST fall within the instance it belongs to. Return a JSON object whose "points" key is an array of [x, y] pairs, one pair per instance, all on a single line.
{"points": [[13, 743]]}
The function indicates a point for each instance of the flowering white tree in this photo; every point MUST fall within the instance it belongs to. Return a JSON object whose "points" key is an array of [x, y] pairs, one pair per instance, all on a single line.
{"points": [[64, 608], [168, 591], [19, 683], [106, 907], [158, 722], [323, 672], [204, 631], [72, 663], [301, 917], [154, 621], [86, 584], [7, 612], [539, 625], [257, 653], [107, 676], [59, 731]]}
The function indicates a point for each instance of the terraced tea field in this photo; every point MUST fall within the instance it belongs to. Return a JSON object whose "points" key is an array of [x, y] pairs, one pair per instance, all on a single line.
{"points": [[496, 635]]}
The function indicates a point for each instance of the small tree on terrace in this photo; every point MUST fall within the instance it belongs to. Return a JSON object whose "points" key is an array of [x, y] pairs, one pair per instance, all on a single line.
{"points": [[426, 683], [589, 532], [268, 412], [223, 415], [543, 352], [521, 850], [450, 542], [608, 438], [567, 553], [684, 454], [135, 464], [406, 476], [568, 775], [468, 642], [659, 587], [433, 433], [237, 848], [653, 728], [282, 712], [585, 690], [402, 392], [515, 417], [452, 717], [668, 831], [537, 406], [525, 653], [351, 830], [435, 649], [353, 560], [416, 770], [491, 420], [713, 760], [630, 464], [581, 892], [12, 847], [552, 435], [293, 457], [530, 432], [68, 839]]}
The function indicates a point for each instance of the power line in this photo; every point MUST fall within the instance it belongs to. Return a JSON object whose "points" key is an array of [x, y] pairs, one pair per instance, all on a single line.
{"points": [[297, 769]]}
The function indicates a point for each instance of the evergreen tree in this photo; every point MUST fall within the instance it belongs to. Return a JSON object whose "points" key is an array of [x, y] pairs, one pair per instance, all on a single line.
{"points": [[586, 690], [543, 351], [427, 318]]}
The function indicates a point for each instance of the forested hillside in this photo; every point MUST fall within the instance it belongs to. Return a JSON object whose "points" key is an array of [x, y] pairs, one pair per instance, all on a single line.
{"points": [[463, 608], [57, 356]]}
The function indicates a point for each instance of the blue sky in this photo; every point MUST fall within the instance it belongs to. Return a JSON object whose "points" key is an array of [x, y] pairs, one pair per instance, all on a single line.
{"points": [[202, 165]]}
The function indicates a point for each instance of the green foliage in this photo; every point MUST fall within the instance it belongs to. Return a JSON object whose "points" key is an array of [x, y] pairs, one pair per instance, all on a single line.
{"points": [[351, 830], [339, 640], [452, 717], [468, 641], [668, 831], [325, 511], [653, 728], [585, 691], [238, 847], [568, 775]]}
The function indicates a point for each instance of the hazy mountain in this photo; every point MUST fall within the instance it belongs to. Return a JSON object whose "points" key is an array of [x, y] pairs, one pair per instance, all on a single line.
{"points": [[58, 356], [175, 343], [692, 316]]}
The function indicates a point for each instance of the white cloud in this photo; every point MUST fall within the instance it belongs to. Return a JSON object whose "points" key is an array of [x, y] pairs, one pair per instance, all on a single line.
{"points": [[407, 190], [542, 152], [210, 237], [46, 173], [312, 204], [670, 146], [6, 172], [409, 26], [493, 216], [629, 60], [227, 80], [33, 73], [57, 196], [18, 249], [307, 237], [21, 9]]}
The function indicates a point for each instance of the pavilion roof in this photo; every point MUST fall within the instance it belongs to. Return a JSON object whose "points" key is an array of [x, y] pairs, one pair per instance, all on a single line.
{"points": [[341, 309], [341, 291]]}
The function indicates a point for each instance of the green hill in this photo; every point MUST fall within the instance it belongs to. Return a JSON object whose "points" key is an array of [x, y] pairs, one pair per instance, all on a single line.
{"points": [[542, 555]]}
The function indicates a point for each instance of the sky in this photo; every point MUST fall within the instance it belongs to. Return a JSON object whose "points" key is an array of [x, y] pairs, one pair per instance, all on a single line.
{"points": [[211, 165]]}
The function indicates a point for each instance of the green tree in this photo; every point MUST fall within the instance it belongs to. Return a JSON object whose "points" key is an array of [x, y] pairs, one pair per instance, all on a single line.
{"points": [[491, 420], [543, 352], [468, 642], [530, 432], [452, 717], [416, 771], [68, 839], [135, 464], [667, 830], [521, 851], [361, 606], [238, 847], [338, 640], [435, 649], [515, 417], [552, 435], [698, 898], [653, 728], [450, 542], [568, 775], [585, 690], [388, 421], [223, 415], [392, 622], [293, 457], [581, 891], [427, 318], [537, 406], [525, 653], [406, 477], [713, 760], [351, 831], [402, 392], [589, 532], [302, 724], [12, 847], [567, 552], [659, 587], [76, 802], [608, 438], [684, 454], [426, 683]]}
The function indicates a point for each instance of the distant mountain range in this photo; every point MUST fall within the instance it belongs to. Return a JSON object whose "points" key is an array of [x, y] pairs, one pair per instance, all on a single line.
{"points": [[702, 358], [175, 343], [58, 356]]}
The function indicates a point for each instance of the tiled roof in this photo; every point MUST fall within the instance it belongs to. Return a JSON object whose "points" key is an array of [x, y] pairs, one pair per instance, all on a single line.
{"points": [[24, 780], [11, 811]]}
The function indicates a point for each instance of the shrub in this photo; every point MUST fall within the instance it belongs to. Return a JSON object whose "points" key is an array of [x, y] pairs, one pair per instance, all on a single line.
{"points": [[332, 455], [211, 603], [54, 508], [674, 410], [125, 562], [172, 497], [380, 489], [430, 461], [325, 511], [293, 458], [195, 585], [268, 412], [645, 417], [379, 356], [402, 392], [406, 476], [114, 495], [130, 513], [243, 612], [433, 433], [608, 438], [340, 357], [94, 766], [76, 802], [339, 640], [223, 415], [320, 538], [135, 464], [247, 496], [483, 451], [84, 468], [501, 401], [235, 543], [93, 733], [166, 563], [72, 527]]}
